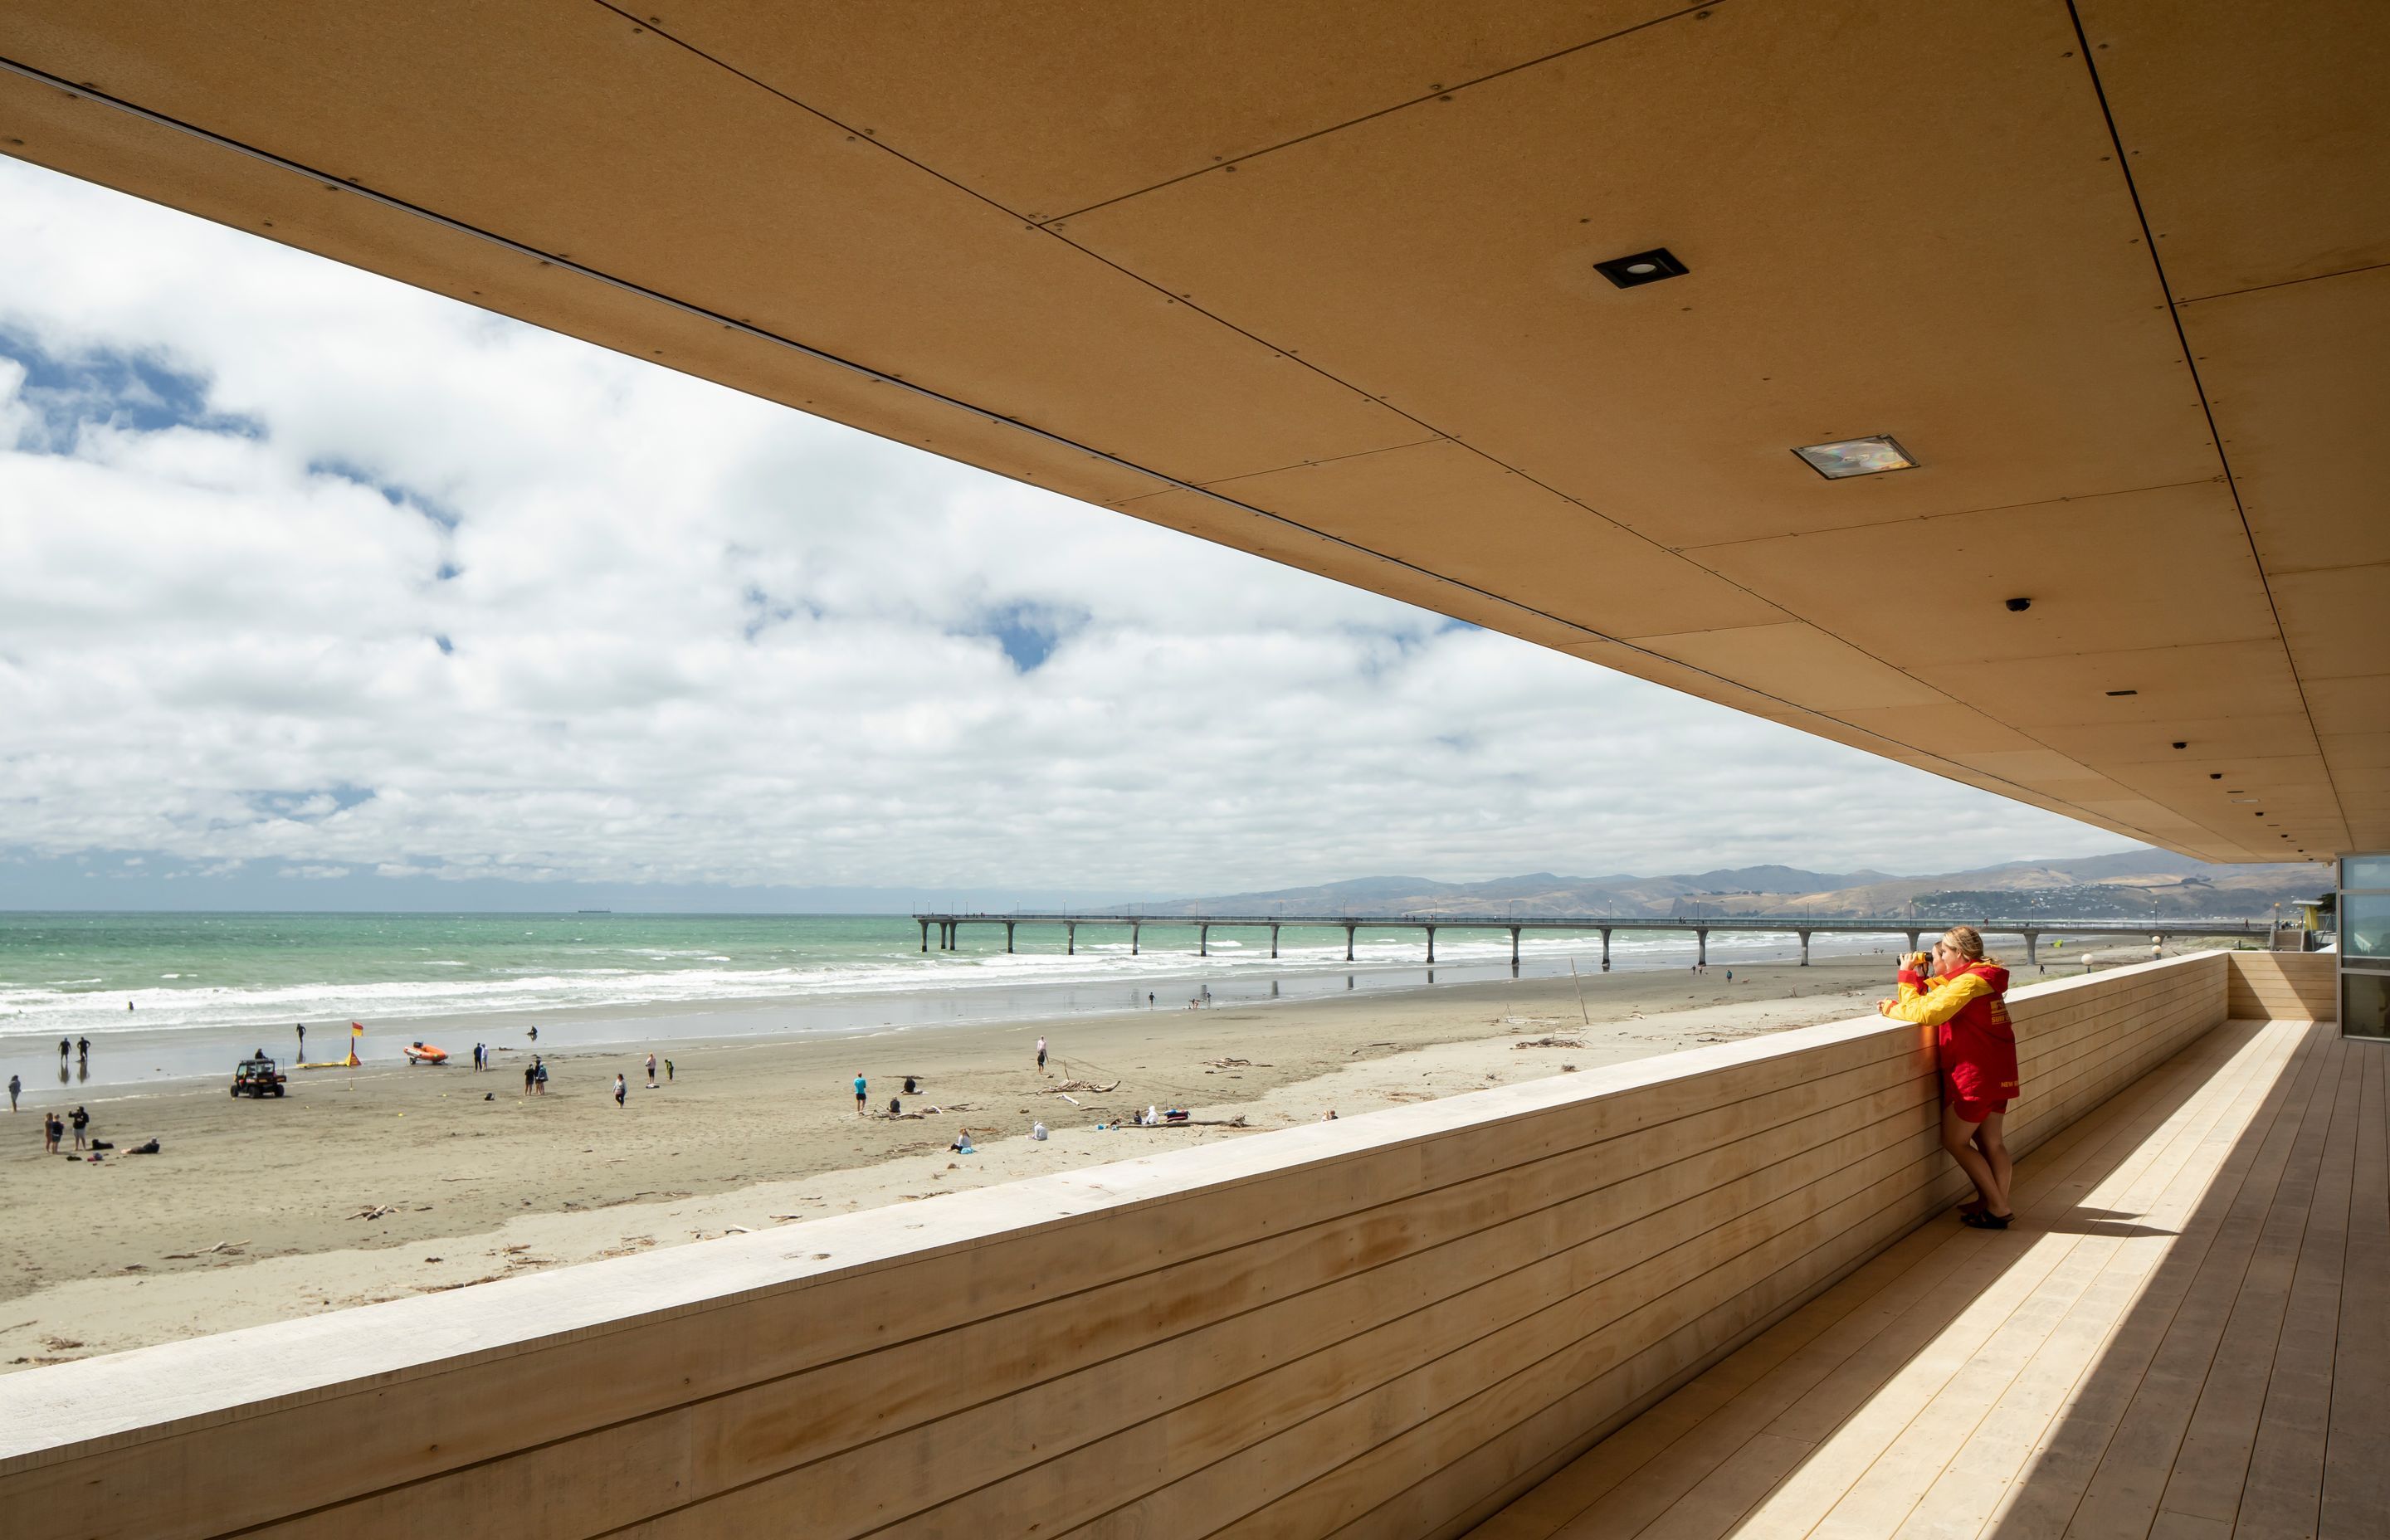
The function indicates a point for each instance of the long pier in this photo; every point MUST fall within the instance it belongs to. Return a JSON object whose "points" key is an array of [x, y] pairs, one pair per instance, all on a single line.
{"points": [[949, 926]]}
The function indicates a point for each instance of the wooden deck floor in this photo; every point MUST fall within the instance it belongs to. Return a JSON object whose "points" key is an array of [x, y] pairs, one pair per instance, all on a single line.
{"points": [[2187, 1334]]}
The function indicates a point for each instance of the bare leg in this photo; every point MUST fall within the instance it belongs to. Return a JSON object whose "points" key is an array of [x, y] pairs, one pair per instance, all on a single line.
{"points": [[1990, 1140], [1958, 1138]]}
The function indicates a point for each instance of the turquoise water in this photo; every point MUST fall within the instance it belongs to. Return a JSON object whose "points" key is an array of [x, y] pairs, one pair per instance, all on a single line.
{"points": [[202, 984]]}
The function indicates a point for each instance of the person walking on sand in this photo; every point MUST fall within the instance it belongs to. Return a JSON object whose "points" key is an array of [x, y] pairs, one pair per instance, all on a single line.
{"points": [[82, 1121], [83, 1050], [15, 1085], [303, 1040], [1976, 1048], [652, 1072], [1041, 1056], [861, 1091], [619, 1088], [65, 1047]]}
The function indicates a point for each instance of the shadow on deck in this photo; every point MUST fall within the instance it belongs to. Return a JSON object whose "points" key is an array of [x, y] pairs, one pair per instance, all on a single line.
{"points": [[2187, 1334]]}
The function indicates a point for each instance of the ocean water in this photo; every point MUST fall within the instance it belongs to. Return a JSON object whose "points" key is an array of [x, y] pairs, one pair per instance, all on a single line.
{"points": [[200, 984]]}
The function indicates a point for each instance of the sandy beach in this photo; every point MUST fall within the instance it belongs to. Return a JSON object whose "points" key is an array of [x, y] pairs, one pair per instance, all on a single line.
{"points": [[370, 1184]]}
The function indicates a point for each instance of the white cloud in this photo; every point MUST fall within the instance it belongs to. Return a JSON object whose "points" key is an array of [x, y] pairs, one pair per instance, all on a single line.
{"points": [[299, 565]]}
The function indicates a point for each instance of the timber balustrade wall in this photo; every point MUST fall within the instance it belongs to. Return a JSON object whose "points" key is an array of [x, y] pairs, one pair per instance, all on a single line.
{"points": [[1385, 1326], [2283, 985]]}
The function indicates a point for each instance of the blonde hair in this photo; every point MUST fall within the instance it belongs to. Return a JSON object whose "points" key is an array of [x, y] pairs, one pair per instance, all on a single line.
{"points": [[1969, 944]]}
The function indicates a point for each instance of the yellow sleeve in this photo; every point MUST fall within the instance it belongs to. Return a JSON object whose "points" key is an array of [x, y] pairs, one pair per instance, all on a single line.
{"points": [[1932, 1007]]}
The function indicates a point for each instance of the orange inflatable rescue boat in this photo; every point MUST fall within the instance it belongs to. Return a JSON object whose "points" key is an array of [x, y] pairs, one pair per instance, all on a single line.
{"points": [[424, 1053]]}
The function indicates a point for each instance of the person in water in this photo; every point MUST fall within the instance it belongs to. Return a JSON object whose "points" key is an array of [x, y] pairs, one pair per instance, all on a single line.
{"points": [[1976, 1049]]}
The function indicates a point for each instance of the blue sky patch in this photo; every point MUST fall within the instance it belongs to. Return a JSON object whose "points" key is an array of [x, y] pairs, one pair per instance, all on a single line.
{"points": [[113, 386]]}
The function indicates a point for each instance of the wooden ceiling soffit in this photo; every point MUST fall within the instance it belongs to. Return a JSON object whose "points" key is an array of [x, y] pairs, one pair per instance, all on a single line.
{"points": [[2295, 376], [2030, 358], [1050, 108], [2254, 134], [1444, 508], [2160, 568]]}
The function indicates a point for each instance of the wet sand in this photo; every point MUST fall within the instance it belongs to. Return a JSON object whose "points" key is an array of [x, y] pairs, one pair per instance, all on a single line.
{"points": [[373, 1184]]}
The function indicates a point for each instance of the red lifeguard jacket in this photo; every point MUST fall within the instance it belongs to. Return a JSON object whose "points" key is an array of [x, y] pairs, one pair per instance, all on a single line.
{"points": [[1972, 1037]]}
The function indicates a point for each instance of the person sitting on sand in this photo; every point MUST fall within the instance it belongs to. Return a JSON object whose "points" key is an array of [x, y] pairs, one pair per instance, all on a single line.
{"points": [[962, 1145], [895, 1107]]}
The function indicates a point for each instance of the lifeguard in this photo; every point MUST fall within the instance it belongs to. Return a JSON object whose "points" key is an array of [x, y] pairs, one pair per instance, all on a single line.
{"points": [[1978, 1051]]}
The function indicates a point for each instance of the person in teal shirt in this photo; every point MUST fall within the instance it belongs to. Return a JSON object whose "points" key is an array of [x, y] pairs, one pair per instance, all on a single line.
{"points": [[861, 1091]]}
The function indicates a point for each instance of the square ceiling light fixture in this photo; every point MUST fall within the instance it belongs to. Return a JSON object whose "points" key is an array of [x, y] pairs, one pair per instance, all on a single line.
{"points": [[1866, 456], [1642, 267]]}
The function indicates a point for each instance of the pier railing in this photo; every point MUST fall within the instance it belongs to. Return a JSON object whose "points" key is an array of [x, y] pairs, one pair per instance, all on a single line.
{"points": [[948, 925]]}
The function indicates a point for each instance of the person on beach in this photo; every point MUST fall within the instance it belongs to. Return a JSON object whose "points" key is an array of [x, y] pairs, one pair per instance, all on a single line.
{"points": [[83, 1050], [303, 1040], [1977, 1050], [80, 1120], [652, 1072], [538, 1077], [15, 1085], [65, 1047], [534, 1035], [622, 1088], [861, 1091], [52, 1131], [1041, 1056], [529, 1071], [668, 1071]]}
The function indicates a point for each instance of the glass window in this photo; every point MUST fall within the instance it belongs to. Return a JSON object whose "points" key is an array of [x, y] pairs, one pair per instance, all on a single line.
{"points": [[2365, 871], [2365, 1005], [2365, 925]]}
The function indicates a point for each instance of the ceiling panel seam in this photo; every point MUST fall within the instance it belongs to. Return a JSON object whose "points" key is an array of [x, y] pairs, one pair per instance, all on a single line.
{"points": [[1952, 513], [2286, 283], [2189, 359], [77, 92], [1443, 94]]}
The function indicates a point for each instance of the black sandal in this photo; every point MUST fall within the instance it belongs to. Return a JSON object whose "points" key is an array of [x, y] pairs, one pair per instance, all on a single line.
{"points": [[1982, 1221]]}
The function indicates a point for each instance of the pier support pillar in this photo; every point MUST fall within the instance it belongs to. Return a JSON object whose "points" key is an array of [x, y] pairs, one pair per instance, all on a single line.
{"points": [[1912, 938], [1203, 941], [1071, 941], [1431, 947], [1132, 938], [1514, 947], [1605, 950], [925, 936], [1007, 935], [1805, 948], [1273, 947], [1702, 946], [2032, 939], [1348, 944]]}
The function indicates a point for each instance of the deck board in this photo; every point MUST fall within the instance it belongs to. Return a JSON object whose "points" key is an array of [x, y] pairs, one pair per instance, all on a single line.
{"points": [[2187, 1333]]}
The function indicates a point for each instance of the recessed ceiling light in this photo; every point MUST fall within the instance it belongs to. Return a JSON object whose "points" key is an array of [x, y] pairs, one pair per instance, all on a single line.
{"points": [[1641, 268], [2216, 775], [2124, 692], [2182, 745], [1846, 458]]}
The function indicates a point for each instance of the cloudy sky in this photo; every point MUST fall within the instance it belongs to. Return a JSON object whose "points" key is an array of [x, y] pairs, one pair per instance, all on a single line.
{"points": [[313, 587]]}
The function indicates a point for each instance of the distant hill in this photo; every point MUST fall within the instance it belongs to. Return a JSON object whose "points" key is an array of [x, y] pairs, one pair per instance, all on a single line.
{"points": [[2123, 885]]}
